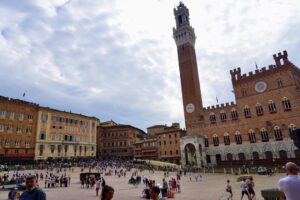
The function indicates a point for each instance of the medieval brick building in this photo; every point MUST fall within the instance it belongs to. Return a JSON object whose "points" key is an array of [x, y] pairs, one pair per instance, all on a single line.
{"points": [[257, 128]]}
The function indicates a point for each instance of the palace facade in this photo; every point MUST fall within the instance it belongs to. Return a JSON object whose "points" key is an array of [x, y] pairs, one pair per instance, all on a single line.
{"points": [[117, 140], [18, 125], [65, 135], [257, 128]]}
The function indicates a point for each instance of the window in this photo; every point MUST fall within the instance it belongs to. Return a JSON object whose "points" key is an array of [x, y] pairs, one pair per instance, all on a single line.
{"points": [[2, 113], [29, 130], [247, 112], [279, 83], [44, 117], [212, 117], [53, 136], [41, 147], [259, 109], [42, 136], [21, 116], [216, 140], [264, 135], [238, 137], [9, 128], [52, 148], [234, 114], [177, 152], [59, 136], [277, 133], [17, 143], [272, 107], [286, 104], [1, 128], [165, 143], [53, 118], [30, 117], [244, 93], [223, 116], [11, 115], [206, 144], [19, 129], [252, 137], [171, 153], [292, 127], [226, 139]]}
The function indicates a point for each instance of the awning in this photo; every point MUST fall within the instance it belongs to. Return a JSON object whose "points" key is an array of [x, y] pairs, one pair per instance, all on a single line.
{"points": [[16, 155]]}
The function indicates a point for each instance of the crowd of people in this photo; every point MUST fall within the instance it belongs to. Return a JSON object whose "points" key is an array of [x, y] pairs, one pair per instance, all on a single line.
{"points": [[93, 173]]}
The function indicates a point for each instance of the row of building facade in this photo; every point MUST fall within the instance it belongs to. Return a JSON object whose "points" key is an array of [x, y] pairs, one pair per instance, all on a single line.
{"points": [[30, 132]]}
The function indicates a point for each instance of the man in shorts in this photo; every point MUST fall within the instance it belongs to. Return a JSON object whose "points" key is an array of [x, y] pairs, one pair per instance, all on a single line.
{"points": [[229, 189], [244, 190]]}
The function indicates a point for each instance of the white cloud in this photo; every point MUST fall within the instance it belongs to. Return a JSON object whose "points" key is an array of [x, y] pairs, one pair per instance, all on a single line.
{"points": [[116, 59]]}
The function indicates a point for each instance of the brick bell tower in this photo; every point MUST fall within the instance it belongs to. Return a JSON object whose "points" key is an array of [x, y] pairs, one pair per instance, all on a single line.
{"points": [[185, 38]]}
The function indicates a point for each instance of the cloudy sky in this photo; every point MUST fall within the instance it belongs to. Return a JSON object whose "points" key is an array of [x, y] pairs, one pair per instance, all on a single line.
{"points": [[116, 59]]}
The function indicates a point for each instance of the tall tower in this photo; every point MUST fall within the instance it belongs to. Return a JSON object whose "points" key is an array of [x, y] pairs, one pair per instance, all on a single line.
{"points": [[185, 37]]}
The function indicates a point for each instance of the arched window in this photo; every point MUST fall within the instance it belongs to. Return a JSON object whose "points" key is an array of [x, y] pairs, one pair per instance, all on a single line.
{"points": [[272, 107], [216, 140], [234, 114], [238, 137], [279, 83], [264, 135], [259, 109], [277, 133], [286, 104], [223, 116], [291, 128], [206, 144], [212, 117], [252, 137], [247, 111], [226, 139]]}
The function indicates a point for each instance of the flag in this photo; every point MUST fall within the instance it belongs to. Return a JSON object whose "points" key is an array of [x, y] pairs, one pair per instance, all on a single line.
{"points": [[24, 94], [217, 99], [256, 65]]}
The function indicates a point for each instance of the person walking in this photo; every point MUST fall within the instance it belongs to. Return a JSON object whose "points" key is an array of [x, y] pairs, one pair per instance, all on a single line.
{"points": [[244, 190], [289, 186], [229, 189], [107, 193], [250, 188], [98, 184], [32, 191]]}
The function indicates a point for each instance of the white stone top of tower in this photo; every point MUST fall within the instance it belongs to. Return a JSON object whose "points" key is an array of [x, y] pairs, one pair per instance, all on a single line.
{"points": [[184, 32]]}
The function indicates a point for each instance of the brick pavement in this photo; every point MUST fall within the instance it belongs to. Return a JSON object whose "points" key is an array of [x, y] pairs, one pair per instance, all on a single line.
{"points": [[212, 187]]}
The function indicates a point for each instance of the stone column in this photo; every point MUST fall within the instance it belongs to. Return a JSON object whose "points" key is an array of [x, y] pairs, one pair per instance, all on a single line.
{"points": [[213, 159], [183, 160], [198, 156]]}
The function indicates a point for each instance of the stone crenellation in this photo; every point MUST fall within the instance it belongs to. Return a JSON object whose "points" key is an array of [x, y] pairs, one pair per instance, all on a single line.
{"points": [[281, 60], [222, 105]]}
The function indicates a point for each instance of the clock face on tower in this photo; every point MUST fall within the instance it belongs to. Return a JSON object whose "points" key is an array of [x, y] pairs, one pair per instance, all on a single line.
{"points": [[190, 108], [260, 86]]}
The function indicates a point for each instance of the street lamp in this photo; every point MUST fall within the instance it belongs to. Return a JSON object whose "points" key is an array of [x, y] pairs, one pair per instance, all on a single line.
{"points": [[296, 137]]}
